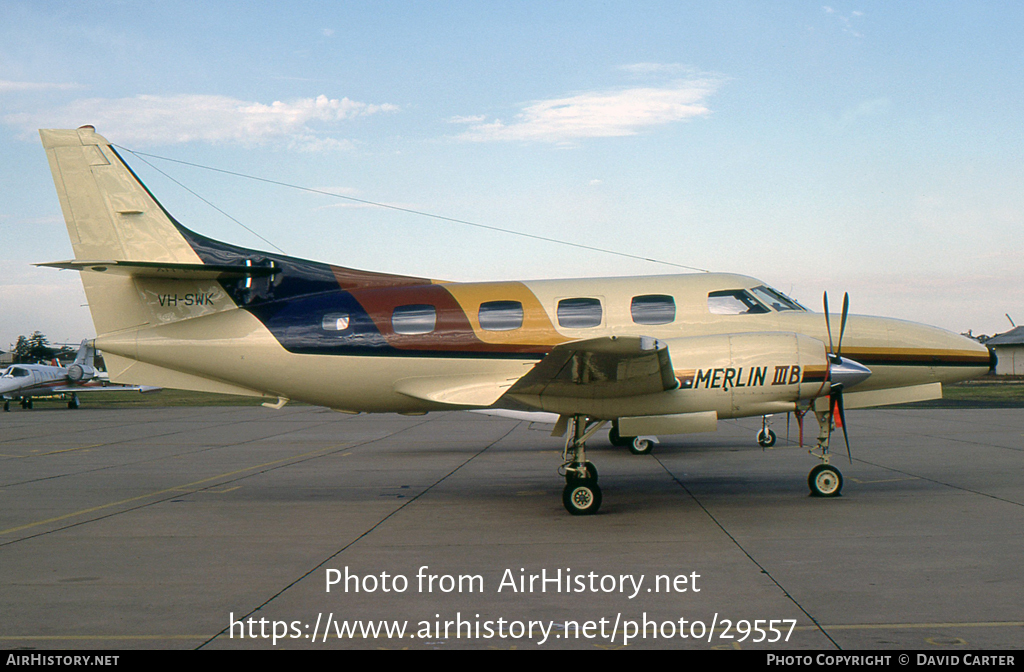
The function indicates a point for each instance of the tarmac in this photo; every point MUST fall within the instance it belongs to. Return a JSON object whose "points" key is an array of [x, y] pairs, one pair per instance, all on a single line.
{"points": [[224, 527]]}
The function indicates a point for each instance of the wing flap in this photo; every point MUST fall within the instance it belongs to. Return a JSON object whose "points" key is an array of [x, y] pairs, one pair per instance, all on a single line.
{"points": [[470, 390]]}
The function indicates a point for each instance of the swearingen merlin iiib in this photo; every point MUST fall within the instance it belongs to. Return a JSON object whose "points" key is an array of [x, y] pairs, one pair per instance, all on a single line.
{"points": [[652, 354]]}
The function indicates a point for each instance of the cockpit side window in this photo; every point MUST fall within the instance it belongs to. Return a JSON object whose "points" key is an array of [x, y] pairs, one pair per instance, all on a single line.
{"points": [[734, 302], [776, 299]]}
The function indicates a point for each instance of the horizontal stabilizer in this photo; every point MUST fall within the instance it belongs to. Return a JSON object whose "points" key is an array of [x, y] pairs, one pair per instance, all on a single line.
{"points": [[165, 270]]}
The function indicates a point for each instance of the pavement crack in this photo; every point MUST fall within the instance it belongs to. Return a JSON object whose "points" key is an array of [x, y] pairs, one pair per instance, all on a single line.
{"points": [[762, 568], [372, 528]]}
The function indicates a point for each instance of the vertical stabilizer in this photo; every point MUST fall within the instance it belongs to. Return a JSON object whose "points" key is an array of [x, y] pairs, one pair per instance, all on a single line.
{"points": [[109, 214], [86, 354]]}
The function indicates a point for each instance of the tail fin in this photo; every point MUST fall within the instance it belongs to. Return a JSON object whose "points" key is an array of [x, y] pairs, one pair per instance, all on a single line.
{"points": [[110, 215], [86, 354]]}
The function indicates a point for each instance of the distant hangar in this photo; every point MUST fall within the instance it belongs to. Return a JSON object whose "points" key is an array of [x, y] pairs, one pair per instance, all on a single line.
{"points": [[1009, 348]]}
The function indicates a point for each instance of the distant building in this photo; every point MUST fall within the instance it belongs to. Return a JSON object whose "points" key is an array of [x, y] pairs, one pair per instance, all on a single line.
{"points": [[6, 358], [1009, 348]]}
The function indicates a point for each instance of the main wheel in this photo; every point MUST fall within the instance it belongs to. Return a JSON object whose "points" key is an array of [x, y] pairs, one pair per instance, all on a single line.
{"points": [[615, 439], [581, 498], [641, 446], [7, 405], [825, 481], [573, 477], [766, 439]]}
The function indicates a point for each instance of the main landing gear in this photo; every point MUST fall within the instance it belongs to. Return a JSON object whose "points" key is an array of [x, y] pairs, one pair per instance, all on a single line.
{"points": [[73, 402], [582, 495], [638, 445], [824, 480]]}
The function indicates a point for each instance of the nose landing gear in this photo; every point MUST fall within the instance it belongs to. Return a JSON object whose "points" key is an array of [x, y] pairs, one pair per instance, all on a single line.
{"points": [[824, 480]]}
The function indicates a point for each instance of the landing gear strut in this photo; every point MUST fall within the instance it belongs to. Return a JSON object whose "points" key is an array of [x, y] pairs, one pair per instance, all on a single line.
{"points": [[582, 495], [766, 437], [824, 480]]}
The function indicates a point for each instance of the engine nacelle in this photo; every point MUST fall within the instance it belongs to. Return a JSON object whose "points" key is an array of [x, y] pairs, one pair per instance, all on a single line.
{"points": [[79, 373]]}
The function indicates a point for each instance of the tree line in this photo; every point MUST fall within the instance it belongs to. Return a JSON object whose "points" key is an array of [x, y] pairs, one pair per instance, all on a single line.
{"points": [[37, 348]]}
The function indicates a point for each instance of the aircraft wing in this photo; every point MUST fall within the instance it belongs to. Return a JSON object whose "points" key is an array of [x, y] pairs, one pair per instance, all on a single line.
{"points": [[597, 368], [601, 368], [85, 387]]}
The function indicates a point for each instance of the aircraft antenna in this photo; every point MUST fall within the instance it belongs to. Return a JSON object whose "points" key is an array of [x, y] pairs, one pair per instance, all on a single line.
{"points": [[200, 197], [1011, 320], [513, 232]]}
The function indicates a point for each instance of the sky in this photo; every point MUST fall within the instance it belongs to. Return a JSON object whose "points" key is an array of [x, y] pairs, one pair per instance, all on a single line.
{"points": [[875, 148]]}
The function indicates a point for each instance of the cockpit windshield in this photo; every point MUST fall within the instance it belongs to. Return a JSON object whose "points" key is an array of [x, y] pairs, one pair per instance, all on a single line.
{"points": [[775, 299], [734, 302], [762, 299]]}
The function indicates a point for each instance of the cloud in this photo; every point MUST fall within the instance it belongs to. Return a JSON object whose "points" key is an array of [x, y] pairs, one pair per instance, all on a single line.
{"points": [[846, 21], [161, 120], [7, 86], [676, 69], [595, 114]]}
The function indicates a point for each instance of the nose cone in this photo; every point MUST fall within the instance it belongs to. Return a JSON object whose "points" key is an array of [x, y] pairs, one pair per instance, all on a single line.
{"points": [[846, 372], [947, 357]]}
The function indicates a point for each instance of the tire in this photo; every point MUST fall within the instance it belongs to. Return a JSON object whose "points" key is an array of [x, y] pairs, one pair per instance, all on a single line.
{"points": [[581, 498], [825, 481], [615, 439], [641, 446], [766, 441]]}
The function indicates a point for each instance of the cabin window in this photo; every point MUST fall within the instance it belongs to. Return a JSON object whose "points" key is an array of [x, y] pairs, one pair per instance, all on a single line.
{"points": [[579, 313], [335, 322], [775, 299], [734, 302], [414, 319], [653, 309], [500, 315]]}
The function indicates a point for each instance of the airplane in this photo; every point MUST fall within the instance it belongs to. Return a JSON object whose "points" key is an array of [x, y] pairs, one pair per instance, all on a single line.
{"points": [[650, 355], [28, 381]]}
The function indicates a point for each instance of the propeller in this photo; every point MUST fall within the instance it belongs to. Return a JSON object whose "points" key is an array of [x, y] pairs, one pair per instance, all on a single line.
{"points": [[842, 373]]}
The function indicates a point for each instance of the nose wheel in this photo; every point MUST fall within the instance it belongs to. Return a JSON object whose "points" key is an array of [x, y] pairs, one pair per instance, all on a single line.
{"points": [[825, 481]]}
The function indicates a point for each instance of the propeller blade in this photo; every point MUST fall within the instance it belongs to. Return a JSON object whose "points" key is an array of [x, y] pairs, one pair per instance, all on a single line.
{"points": [[842, 324], [836, 396], [824, 299]]}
